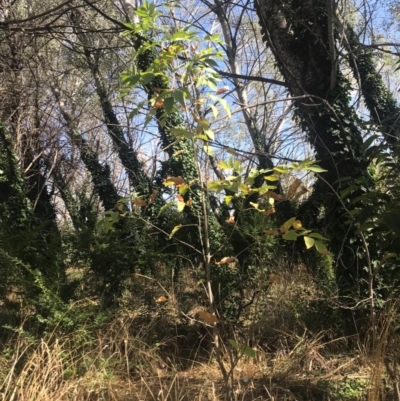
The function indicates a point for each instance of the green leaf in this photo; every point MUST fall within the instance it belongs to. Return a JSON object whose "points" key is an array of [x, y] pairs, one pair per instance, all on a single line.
{"points": [[309, 242], [393, 222], [165, 207], [368, 142], [179, 132], [281, 169], [132, 80], [210, 134], [317, 236], [223, 103], [249, 351], [290, 236], [133, 113], [147, 77], [224, 165], [214, 110], [288, 223], [209, 150], [179, 97], [321, 248], [347, 191], [169, 104], [234, 344], [228, 199], [271, 177], [316, 169], [180, 36], [210, 62]]}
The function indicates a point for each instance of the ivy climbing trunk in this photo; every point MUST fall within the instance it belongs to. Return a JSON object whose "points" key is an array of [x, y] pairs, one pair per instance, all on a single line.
{"points": [[301, 36], [100, 174], [127, 155], [382, 105]]}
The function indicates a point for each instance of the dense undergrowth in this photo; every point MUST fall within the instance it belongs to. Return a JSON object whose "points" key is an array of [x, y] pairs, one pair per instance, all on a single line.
{"points": [[152, 345]]}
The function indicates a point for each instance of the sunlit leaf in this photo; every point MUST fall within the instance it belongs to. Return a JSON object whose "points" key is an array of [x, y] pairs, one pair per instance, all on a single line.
{"points": [[214, 110], [209, 150], [175, 230], [281, 169], [271, 177], [297, 225], [181, 206], [287, 224], [224, 165], [309, 242], [228, 199], [316, 169], [210, 134]]}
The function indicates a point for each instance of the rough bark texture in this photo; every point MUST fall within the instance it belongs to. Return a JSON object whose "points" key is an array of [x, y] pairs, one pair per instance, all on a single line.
{"points": [[298, 33]]}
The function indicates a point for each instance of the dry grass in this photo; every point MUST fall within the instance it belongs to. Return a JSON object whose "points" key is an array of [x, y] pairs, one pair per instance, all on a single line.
{"points": [[119, 361]]}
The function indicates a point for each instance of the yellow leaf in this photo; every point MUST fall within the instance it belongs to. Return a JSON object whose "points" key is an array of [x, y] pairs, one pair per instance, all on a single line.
{"points": [[225, 260], [287, 224], [174, 230], [297, 225], [120, 207], [161, 299], [140, 202], [272, 177], [309, 242], [208, 317], [181, 206]]}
